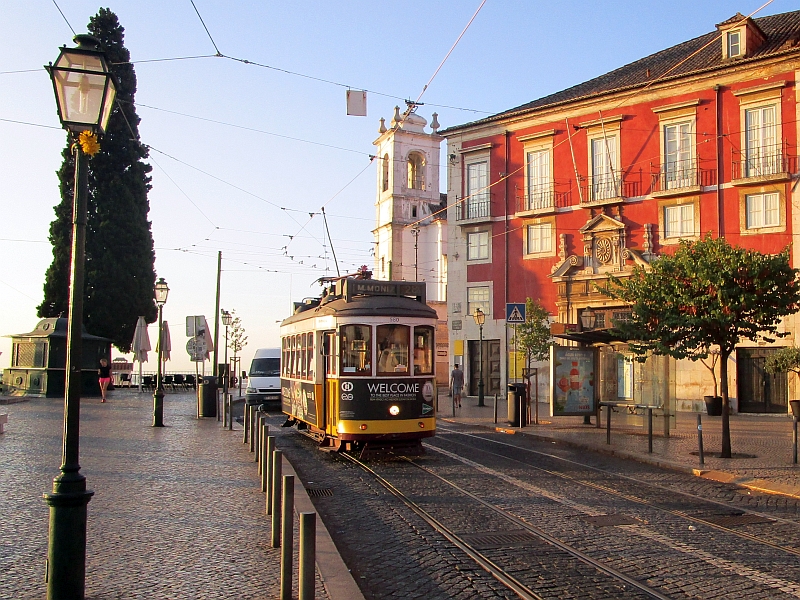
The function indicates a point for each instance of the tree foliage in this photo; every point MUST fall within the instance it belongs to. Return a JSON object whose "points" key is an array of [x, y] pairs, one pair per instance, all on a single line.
{"points": [[119, 274], [707, 294], [783, 361], [533, 336], [237, 340]]}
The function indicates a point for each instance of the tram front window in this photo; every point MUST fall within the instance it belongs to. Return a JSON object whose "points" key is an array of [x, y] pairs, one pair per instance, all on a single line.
{"points": [[393, 348], [423, 350], [356, 349]]}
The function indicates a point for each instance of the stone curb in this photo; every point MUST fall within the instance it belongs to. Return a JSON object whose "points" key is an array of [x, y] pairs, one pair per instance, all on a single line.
{"points": [[335, 575]]}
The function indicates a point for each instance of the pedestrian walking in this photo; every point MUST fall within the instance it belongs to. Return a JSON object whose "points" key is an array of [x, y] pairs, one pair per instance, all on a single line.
{"points": [[104, 373], [457, 384]]}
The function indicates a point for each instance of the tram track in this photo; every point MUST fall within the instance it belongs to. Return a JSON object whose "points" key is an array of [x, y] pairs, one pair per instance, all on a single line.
{"points": [[638, 499], [497, 571]]}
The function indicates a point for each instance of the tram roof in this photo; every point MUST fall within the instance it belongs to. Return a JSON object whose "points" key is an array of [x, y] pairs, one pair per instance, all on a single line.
{"points": [[368, 298]]}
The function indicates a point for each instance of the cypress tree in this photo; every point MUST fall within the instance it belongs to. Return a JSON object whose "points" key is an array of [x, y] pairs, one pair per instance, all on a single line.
{"points": [[119, 273]]}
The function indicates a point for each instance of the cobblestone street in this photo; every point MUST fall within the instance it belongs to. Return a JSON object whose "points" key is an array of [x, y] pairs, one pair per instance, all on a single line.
{"points": [[177, 511]]}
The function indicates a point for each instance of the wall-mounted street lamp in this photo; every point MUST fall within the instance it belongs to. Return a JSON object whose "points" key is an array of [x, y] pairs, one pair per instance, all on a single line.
{"points": [[588, 319], [161, 293], [480, 319], [85, 91]]}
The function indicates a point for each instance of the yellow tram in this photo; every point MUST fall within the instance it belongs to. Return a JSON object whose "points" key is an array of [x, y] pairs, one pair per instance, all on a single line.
{"points": [[357, 365]]}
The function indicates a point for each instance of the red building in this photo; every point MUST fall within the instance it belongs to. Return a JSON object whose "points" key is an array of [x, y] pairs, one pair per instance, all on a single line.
{"points": [[546, 199]]}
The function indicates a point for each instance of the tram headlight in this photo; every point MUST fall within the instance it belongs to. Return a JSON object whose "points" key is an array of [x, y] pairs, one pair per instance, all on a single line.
{"points": [[394, 410]]}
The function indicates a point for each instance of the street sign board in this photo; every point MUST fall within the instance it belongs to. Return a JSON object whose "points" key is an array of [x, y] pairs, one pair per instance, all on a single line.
{"points": [[194, 324], [197, 349], [515, 312]]}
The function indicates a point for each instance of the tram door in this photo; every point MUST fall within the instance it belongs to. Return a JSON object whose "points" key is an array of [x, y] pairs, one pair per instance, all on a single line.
{"points": [[330, 387]]}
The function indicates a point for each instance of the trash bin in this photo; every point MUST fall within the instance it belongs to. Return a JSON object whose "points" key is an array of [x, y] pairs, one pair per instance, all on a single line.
{"points": [[516, 404], [207, 398]]}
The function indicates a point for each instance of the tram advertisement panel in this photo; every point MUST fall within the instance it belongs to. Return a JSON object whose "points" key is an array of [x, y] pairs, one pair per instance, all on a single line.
{"points": [[371, 399], [572, 381], [297, 399]]}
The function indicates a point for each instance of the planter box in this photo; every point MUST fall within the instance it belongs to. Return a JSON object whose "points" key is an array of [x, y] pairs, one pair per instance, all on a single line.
{"points": [[713, 405]]}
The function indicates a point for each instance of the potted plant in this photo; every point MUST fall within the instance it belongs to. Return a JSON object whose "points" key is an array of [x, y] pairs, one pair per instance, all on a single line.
{"points": [[713, 403]]}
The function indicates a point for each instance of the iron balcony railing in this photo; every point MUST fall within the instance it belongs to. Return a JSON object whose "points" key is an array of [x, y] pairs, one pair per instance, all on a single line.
{"points": [[476, 206], [604, 187], [762, 161], [539, 197], [681, 174]]}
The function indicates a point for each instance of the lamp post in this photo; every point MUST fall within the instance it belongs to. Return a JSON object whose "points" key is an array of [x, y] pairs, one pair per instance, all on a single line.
{"points": [[480, 319], [226, 320], [588, 322], [85, 91], [161, 293]]}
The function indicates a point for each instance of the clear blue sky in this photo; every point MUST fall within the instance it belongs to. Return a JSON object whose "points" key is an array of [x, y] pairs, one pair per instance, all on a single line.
{"points": [[514, 52]]}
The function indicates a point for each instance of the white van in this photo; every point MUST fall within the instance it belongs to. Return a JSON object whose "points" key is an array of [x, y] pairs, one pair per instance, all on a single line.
{"points": [[264, 378]]}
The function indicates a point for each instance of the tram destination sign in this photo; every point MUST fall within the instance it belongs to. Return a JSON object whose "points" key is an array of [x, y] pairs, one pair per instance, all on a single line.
{"points": [[373, 287]]}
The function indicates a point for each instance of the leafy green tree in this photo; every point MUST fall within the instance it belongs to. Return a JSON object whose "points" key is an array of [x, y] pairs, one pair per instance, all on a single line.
{"points": [[533, 336], [119, 274], [707, 294], [783, 361], [237, 340]]}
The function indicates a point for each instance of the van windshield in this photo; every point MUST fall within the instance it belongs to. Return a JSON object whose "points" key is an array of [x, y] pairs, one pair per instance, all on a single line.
{"points": [[265, 367]]}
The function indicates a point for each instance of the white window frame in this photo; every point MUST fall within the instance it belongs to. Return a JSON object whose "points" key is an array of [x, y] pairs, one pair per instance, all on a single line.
{"points": [[605, 175], [539, 238], [679, 221], [729, 43], [539, 177], [477, 187], [479, 296], [481, 245], [762, 210], [677, 152], [762, 140]]}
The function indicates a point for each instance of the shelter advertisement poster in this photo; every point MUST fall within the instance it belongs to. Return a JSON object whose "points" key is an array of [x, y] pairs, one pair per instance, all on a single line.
{"points": [[572, 390]]}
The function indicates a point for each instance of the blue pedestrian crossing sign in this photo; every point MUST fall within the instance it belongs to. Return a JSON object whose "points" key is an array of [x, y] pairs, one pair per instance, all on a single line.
{"points": [[515, 312]]}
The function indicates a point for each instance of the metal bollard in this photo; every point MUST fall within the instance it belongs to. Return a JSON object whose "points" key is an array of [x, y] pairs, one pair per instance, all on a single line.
{"points": [[230, 412], [246, 423], [252, 428], [287, 542], [277, 458], [266, 475], [700, 438], [308, 555], [495, 409], [262, 454], [260, 419], [650, 430], [794, 440], [608, 424]]}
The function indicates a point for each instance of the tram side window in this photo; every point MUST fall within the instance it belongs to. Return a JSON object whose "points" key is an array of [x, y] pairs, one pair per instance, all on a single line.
{"points": [[355, 346], [285, 357], [310, 356], [393, 349], [330, 357], [423, 350]]}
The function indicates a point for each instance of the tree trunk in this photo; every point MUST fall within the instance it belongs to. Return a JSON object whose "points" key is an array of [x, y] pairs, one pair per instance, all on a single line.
{"points": [[726, 423]]}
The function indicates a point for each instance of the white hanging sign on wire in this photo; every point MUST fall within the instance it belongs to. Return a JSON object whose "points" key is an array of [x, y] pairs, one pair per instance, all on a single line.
{"points": [[357, 103]]}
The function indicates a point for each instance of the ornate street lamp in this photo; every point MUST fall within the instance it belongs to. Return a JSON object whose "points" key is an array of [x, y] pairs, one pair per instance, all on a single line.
{"points": [[588, 319], [161, 293], [226, 320], [85, 92], [480, 319]]}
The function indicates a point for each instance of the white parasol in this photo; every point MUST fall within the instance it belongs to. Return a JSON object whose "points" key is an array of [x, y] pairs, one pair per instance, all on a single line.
{"points": [[166, 341], [140, 346]]}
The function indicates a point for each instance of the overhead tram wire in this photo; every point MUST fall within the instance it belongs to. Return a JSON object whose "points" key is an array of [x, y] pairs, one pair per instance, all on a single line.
{"points": [[64, 17]]}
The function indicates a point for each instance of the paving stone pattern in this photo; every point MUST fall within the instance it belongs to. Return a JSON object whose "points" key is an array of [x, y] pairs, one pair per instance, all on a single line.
{"points": [[177, 511]]}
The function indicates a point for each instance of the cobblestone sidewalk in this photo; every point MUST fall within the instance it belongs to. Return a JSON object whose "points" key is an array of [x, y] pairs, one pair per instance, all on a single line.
{"points": [[177, 511]]}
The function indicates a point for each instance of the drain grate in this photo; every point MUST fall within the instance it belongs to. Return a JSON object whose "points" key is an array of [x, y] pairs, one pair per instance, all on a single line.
{"points": [[610, 520], [499, 539], [319, 492], [736, 520]]}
